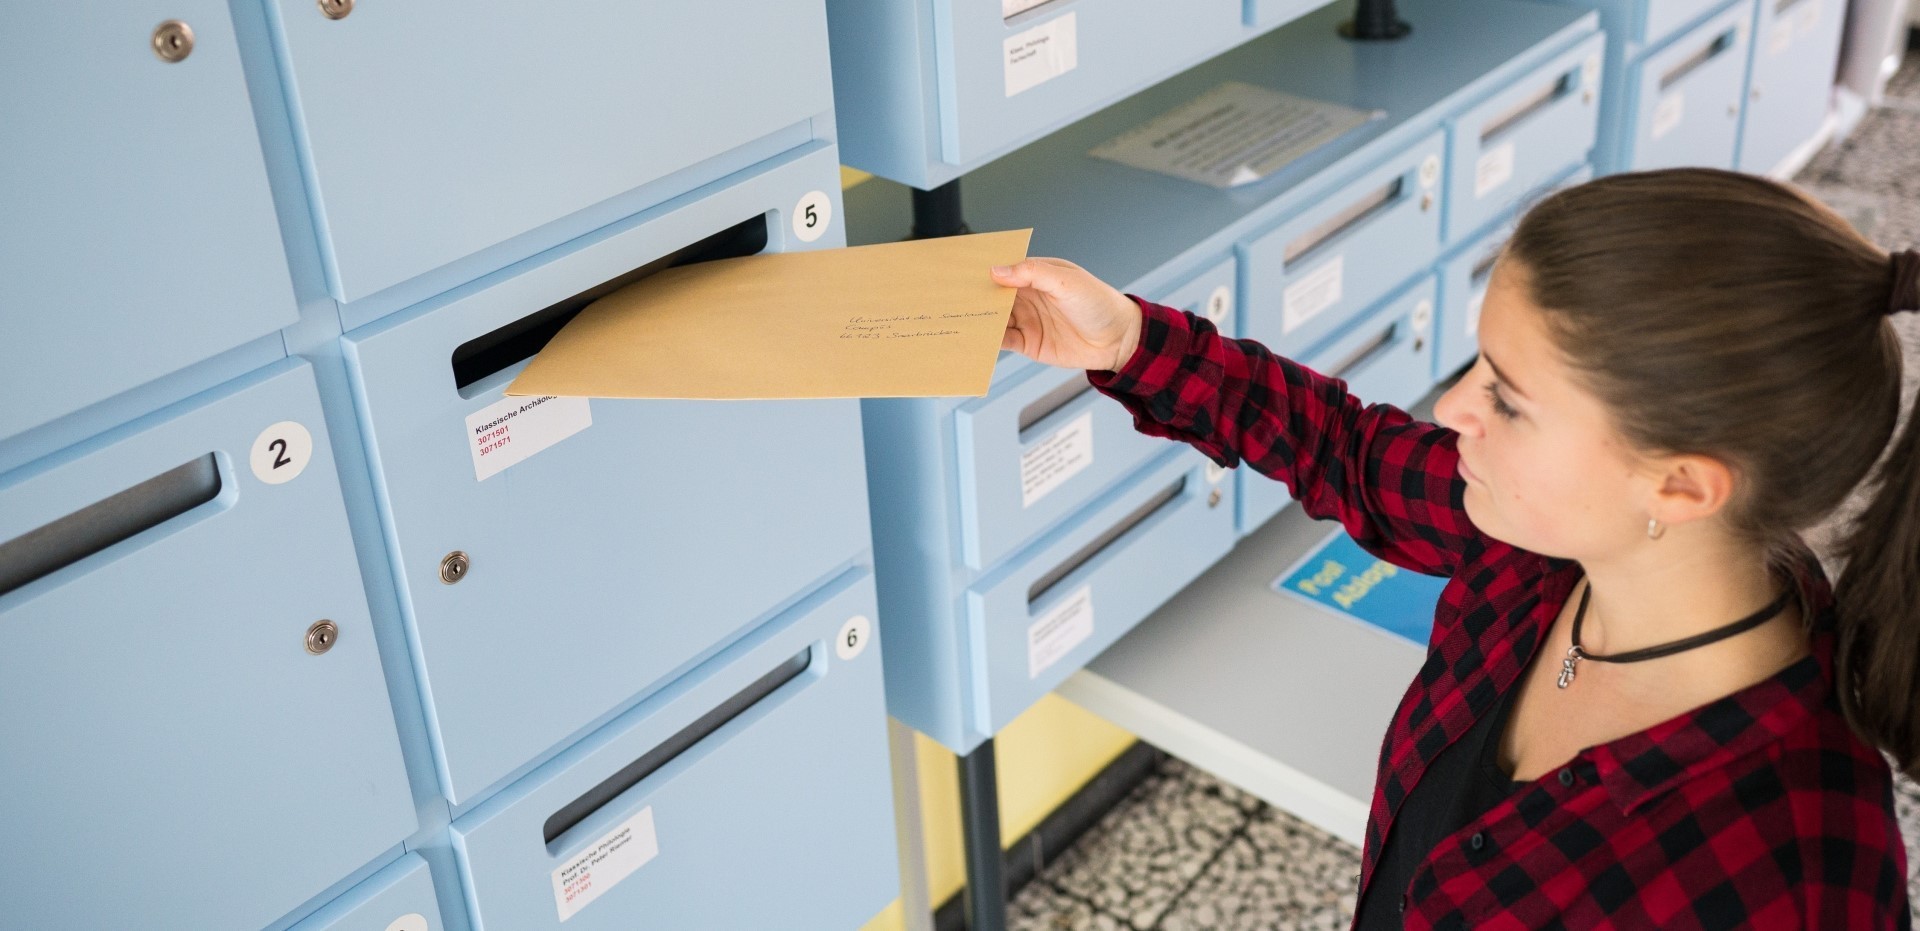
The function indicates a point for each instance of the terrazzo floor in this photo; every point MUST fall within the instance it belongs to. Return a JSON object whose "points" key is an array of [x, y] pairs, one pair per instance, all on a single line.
{"points": [[1186, 852]]}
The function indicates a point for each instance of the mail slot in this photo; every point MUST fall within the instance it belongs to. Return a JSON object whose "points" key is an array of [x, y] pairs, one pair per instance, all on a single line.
{"points": [[1076, 590], [1687, 97], [140, 234], [751, 793], [1044, 443], [558, 559], [1313, 274], [188, 671], [398, 898], [1796, 46], [478, 139], [1387, 358], [1523, 137]]}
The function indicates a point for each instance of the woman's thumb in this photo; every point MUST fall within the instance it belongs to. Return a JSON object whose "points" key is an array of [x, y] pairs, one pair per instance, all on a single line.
{"points": [[1014, 276]]}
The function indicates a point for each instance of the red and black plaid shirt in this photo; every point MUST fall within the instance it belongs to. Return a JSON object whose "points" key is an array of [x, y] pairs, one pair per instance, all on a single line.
{"points": [[1761, 809]]}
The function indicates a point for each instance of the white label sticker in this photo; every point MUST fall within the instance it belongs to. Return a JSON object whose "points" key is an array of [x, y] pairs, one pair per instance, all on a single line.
{"points": [[1216, 473], [1422, 316], [413, 922], [1058, 631], [1808, 16], [812, 216], [1590, 71], [1779, 38], [1474, 306], [514, 429], [1064, 453], [1494, 168], [1316, 291], [1667, 113], [1042, 53], [281, 452], [1429, 171], [604, 864], [1220, 305], [853, 638]]}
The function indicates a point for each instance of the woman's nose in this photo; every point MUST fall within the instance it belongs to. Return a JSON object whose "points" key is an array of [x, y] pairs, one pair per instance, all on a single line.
{"points": [[1454, 410]]}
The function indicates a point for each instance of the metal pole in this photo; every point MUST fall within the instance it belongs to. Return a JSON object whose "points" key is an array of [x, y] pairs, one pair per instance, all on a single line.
{"points": [[936, 213], [1374, 21], [980, 825]]}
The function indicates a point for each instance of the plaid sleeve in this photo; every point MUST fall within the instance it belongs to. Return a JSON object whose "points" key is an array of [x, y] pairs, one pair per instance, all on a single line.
{"points": [[1391, 481]]}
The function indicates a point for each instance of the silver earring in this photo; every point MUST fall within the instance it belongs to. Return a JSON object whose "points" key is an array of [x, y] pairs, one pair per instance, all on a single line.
{"points": [[1654, 530]]}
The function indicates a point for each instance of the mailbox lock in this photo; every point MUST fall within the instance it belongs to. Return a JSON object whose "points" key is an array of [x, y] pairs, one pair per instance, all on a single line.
{"points": [[454, 567], [322, 636], [173, 41], [336, 9], [1213, 498], [1426, 202]]}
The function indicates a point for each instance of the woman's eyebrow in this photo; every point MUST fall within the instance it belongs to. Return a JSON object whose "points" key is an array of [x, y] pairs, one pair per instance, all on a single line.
{"points": [[1503, 377]]}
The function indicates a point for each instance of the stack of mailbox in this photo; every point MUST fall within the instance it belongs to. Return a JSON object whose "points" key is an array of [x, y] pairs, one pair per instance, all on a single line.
{"points": [[302, 623], [1019, 534]]}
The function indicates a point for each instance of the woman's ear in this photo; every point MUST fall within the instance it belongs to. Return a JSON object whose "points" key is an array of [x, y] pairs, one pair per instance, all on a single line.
{"points": [[1692, 487]]}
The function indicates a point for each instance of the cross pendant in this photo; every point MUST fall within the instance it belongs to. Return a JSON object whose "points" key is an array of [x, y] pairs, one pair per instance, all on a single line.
{"points": [[1566, 666]]}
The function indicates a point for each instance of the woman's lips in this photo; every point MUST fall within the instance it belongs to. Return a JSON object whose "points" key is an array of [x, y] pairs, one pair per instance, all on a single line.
{"points": [[1467, 473]]}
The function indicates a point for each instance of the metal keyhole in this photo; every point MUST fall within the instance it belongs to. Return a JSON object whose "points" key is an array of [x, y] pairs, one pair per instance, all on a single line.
{"points": [[336, 9], [1213, 498], [1426, 202], [173, 41], [322, 636], [454, 567]]}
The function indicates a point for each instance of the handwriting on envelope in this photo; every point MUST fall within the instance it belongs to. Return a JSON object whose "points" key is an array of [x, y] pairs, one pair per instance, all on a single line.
{"points": [[907, 319]]}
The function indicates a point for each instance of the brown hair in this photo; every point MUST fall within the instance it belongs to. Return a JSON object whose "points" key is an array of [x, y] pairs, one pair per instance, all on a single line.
{"points": [[1728, 315]]}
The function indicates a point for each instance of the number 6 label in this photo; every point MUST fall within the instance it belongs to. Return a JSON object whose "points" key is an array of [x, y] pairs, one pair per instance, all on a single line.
{"points": [[812, 216], [281, 452], [853, 638]]}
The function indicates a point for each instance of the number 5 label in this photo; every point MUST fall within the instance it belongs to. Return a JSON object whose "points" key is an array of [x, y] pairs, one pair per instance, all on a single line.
{"points": [[812, 216], [281, 452]]}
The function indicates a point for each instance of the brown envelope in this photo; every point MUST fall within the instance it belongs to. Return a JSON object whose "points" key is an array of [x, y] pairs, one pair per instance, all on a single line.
{"points": [[907, 319]]}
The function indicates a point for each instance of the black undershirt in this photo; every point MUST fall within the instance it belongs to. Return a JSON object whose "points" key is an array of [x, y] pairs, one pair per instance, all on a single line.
{"points": [[1462, 784]]}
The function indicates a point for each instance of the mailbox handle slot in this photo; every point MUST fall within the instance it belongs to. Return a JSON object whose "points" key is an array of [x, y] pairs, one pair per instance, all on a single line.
{"points": [[1720, 44], [1373, 348], [1167, 497], [1044, 406], [1359, 211], [492, 352], [580, 809], [1540, 98], [47, 549]]}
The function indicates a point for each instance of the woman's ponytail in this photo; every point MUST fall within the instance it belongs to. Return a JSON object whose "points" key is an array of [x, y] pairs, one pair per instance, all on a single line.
{"points": [[1877, 655]]}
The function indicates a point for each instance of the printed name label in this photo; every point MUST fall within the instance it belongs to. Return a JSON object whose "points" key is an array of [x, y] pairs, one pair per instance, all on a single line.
{"points": [[1067, 625], [600, 867], [1042, 53], [1064, 453], [513, 430], [1667, 114], [1494, 169], [1313, 293]]}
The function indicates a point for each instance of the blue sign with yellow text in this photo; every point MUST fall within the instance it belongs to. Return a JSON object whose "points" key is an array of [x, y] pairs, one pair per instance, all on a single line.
{"points": [[1342, 577]]}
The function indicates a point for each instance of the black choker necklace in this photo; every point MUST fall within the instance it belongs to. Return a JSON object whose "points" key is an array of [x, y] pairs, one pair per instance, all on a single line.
{"points": [[1575, 654]]}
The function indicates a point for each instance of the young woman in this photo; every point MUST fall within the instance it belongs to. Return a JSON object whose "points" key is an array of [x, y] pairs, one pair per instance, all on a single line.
{"points": [[1643, 705]]}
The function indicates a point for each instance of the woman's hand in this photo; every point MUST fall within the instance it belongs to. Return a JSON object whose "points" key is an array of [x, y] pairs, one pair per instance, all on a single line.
{"points": [[1065, 316]]}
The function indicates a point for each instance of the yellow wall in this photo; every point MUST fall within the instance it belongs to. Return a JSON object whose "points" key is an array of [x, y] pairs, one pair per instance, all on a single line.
{"points": [[1043, 757]]}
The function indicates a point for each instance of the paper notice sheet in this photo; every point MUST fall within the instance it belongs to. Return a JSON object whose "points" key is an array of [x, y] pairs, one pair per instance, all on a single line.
{"points": [[906, 319], [1232, 135]]}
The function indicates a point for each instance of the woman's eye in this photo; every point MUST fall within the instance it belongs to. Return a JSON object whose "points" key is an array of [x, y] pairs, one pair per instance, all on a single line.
{"points": [[1499, 403]]}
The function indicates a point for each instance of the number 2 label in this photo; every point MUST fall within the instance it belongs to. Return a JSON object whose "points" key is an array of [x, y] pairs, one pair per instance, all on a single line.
{"points": [[281, 452]]}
